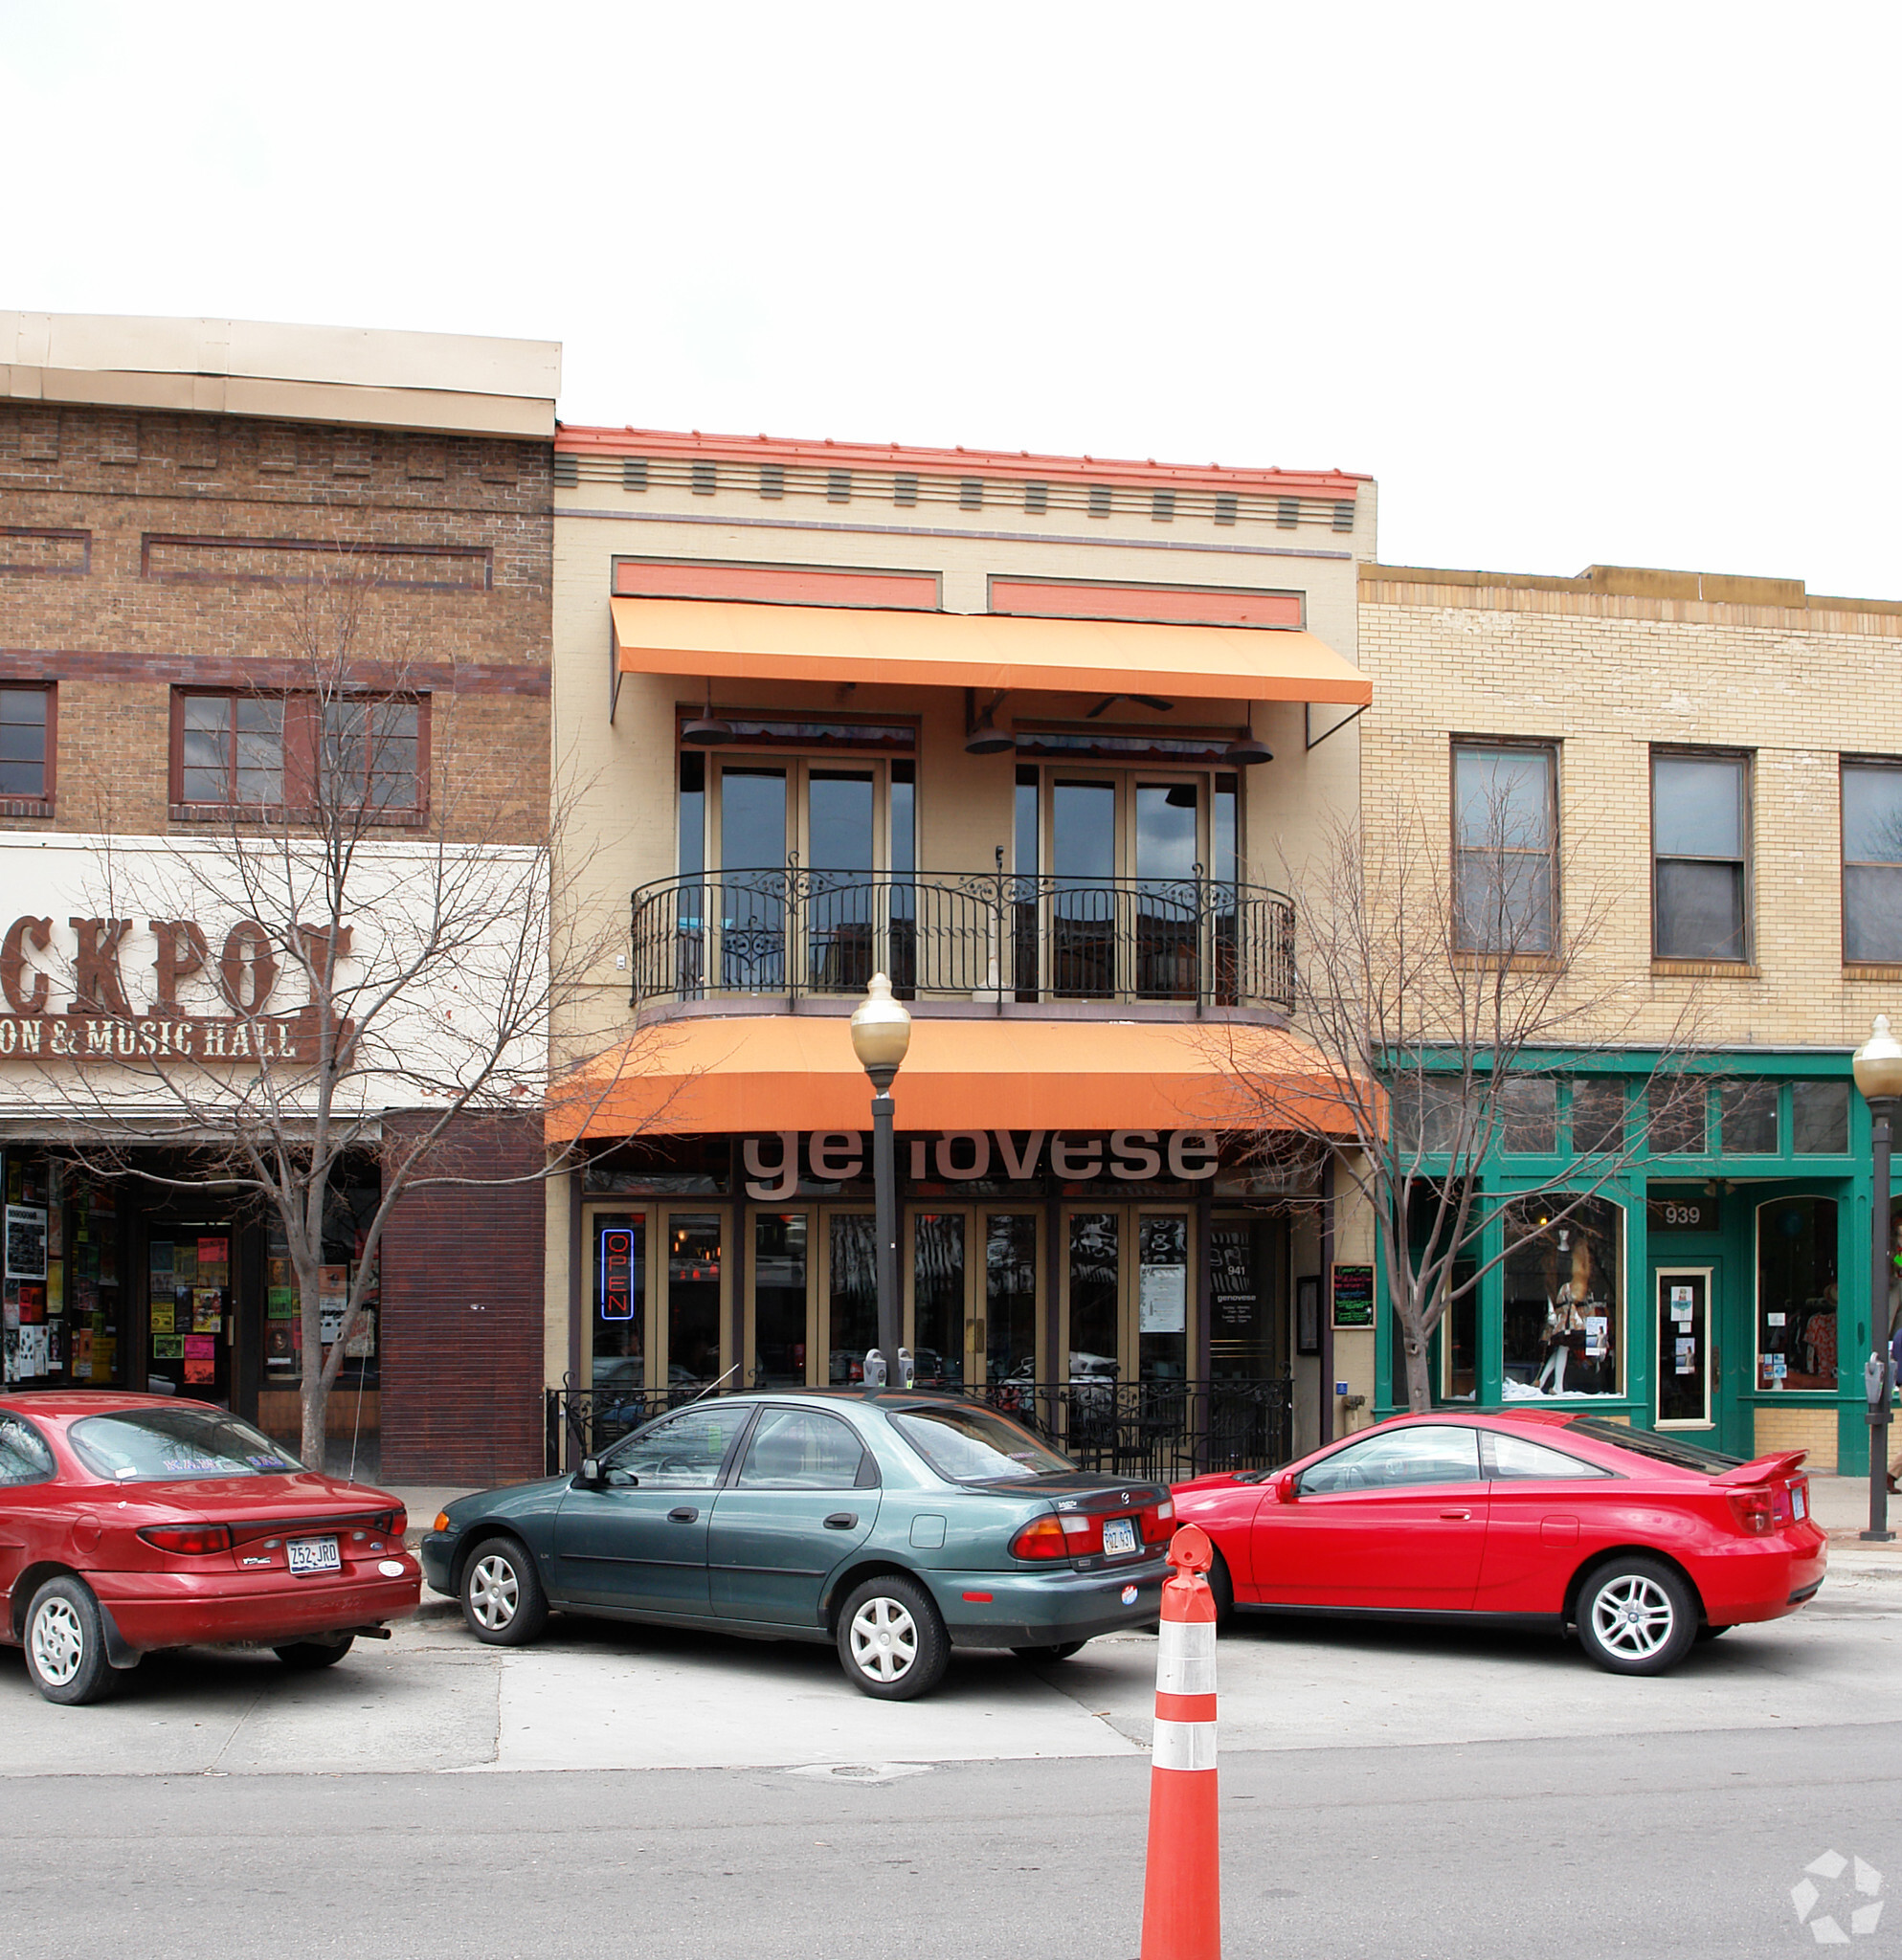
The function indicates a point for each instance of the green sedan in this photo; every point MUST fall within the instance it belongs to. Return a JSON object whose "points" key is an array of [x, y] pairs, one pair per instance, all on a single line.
{"points": [[895, 1526]]}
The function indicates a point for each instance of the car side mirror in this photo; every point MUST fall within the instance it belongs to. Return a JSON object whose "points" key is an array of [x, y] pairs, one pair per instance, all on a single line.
{"points": [[1285, 1488], [589, 1477]]}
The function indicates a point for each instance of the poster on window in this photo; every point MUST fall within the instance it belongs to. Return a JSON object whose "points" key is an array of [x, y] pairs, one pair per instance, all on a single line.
{"points": [[1162, 1300], [26, 1242]]}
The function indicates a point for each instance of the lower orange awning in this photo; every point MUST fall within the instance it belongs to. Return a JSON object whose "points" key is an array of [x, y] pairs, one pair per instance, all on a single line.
{"points": [[798, 1072], [709, 639]]}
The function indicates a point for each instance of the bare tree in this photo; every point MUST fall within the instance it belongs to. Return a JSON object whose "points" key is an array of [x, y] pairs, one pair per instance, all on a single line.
{"points": [[1444, 991], [403, 881]]}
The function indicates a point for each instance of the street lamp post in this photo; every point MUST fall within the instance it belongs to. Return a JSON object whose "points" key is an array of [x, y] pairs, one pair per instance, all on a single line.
{"points": [[881, 1033], [1878, 1070]]}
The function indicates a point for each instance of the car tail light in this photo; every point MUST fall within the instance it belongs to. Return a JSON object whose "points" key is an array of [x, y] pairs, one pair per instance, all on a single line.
{"points": [[195, 1540], [1042, 1538], [393, 1524], [1754, 1510], [1160, 1523]]}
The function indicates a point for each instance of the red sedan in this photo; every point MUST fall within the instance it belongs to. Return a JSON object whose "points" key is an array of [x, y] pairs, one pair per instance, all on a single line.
{"points": [[1639, 1541], [132, 1522]]}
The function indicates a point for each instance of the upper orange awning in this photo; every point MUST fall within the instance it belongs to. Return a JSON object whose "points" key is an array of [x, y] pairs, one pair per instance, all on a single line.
{"points": [[778, 1072], [722, 639]]}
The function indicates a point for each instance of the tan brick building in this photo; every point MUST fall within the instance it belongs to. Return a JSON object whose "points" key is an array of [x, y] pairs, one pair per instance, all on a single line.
{"points": [[1716, 762], [196, 517]]}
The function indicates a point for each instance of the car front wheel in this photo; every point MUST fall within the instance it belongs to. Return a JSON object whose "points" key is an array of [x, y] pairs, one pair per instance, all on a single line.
{"points": [[892, 1644], [503, 1602], [1636, 1617], [65, 1643]]}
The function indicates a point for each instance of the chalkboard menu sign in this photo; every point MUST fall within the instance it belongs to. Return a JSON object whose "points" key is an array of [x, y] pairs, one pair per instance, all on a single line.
{"points": [[1354, 1296]]}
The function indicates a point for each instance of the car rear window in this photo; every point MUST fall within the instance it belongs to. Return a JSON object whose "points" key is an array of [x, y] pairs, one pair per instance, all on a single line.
{"points": [[976, 1446], [1647, 1442], [158, 1445]]}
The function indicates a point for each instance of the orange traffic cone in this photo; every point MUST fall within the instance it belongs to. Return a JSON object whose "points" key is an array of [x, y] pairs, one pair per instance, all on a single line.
{"points": [[1182, 1885]]}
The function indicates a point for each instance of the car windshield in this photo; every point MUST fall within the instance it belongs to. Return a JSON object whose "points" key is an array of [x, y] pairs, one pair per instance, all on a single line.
{"points": [[1660, 1449], [151, 1445], [976, 1446]]}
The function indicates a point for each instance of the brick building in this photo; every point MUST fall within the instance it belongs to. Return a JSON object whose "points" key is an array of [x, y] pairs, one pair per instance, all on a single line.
{"points": [[1713, 757], [194, 517]]}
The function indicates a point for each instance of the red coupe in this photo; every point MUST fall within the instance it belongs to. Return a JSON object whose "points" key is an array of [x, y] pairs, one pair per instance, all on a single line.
{"points": [[1640, 1540], [132, 1522]]}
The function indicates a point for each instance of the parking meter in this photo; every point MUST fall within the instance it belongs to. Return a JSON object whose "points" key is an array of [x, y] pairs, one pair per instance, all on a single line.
{"points": [[908, 1370], [874, 1369], [1878, 1385]]}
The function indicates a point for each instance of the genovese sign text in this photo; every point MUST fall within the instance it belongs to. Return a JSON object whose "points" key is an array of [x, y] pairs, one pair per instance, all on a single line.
{"points": [[776, 1163]]}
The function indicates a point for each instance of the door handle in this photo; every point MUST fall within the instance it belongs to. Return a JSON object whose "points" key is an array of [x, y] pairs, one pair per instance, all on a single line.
{"points": [[684, 1515], [841, 1521], [1456, 1514]]}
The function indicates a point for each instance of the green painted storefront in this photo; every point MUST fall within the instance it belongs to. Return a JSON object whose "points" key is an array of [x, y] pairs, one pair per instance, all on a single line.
{"points": [[1722, 1276]]}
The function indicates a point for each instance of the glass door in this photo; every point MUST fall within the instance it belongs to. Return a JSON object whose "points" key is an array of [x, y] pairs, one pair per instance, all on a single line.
{"points": [[1127, 1287], [1006, 1338], [619, 1338], [1167, 848], [947, 1334], [751, 883], [849, 1311], [779, 1318], [191, 1308], [840, 918], [1683, 1295], [694, 1349], [1083, 908]]}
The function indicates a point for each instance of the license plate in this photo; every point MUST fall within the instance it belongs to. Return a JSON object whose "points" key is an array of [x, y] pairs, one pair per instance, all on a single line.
{"points": [[1799, 1502], [305, 1555], [1119, 1537]]}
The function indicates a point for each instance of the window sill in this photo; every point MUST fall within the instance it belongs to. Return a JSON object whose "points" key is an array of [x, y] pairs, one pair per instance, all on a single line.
{"points": [[1511, 963], [1873, 969], [1706, 969], [259, 815], [26, 805]]}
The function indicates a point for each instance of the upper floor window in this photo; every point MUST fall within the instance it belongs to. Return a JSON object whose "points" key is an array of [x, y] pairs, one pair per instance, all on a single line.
{"points": [[271, 753], [1872, 862], [1504, 847], [1700, 857], [26, 742]]}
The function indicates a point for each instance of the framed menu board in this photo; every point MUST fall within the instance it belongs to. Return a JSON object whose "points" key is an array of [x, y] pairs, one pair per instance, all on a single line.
{"points": [[1354, 1296]]}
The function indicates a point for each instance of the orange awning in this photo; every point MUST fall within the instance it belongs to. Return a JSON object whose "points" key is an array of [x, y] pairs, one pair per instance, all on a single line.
{"points": [[759, 1073], [720, 639]]}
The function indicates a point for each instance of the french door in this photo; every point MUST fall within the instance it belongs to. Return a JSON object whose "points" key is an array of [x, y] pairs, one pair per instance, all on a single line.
{"points": [[658, 1296], [1127, 1293]]}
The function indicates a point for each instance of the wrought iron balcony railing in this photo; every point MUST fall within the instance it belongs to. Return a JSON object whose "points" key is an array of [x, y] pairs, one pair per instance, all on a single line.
{"points": [[791, 931]]}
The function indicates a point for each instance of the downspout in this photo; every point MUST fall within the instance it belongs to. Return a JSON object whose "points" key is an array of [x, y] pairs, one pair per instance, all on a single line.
{"points": [[1325, 1434]]}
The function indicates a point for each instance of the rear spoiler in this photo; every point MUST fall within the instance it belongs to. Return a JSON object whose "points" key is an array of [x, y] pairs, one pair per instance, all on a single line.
{"points": [[1765, 1469]]}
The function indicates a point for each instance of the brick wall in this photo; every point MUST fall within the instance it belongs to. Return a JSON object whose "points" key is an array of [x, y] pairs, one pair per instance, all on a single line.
{"points": [[461, 1362], [1607, 674], [137, 552]]}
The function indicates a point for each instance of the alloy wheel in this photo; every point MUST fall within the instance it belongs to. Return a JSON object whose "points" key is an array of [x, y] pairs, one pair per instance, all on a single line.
{"points": [[884, 1639], [58, 1642], [494, 1593], [1633, 1617]]}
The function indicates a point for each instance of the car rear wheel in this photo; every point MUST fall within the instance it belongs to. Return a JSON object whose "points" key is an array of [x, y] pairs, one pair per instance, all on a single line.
{"points": [[65, 1643], [503, 1602], [306, 1654], [892, 1644], [1061, 1652], [1636, 1617]]}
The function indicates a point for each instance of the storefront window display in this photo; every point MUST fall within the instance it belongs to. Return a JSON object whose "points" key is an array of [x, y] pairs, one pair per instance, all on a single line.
{"points": [[693, 1299], [1796, 1294], [63, 1307], [1564, 1304], [621, 1300]]}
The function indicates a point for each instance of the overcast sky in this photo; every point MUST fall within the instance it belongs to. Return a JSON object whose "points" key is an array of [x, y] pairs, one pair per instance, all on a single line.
{"points": [[1609, 283]]}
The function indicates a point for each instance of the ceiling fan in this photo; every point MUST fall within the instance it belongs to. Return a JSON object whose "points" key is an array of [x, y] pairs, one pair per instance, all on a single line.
{"points": [[1146, 701]]}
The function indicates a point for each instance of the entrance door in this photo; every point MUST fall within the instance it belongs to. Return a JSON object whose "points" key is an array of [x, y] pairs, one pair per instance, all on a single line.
{"points": [[1127, 1287], [1683, 1296], [191, 1308], [946, 1331]]}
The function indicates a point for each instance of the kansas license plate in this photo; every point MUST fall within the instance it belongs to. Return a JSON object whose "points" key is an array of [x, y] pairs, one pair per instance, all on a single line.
{"points": [[1119, 1537], [312, 1556]]}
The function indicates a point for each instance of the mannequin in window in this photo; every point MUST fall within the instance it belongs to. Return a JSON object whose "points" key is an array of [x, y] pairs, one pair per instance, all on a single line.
{"points": [[1565, 1313]]}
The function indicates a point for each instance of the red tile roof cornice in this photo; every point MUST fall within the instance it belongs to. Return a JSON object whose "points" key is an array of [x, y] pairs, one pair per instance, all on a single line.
{"points": [[1342, 485]]}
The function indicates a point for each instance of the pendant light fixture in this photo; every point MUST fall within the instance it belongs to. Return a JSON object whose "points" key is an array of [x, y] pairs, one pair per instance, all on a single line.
{"points": [[707, 730], [982, 736], [1244, 752]]}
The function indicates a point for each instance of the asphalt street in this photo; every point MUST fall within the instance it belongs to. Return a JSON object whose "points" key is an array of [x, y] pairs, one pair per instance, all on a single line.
{"points": [[1393, 1790]]}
